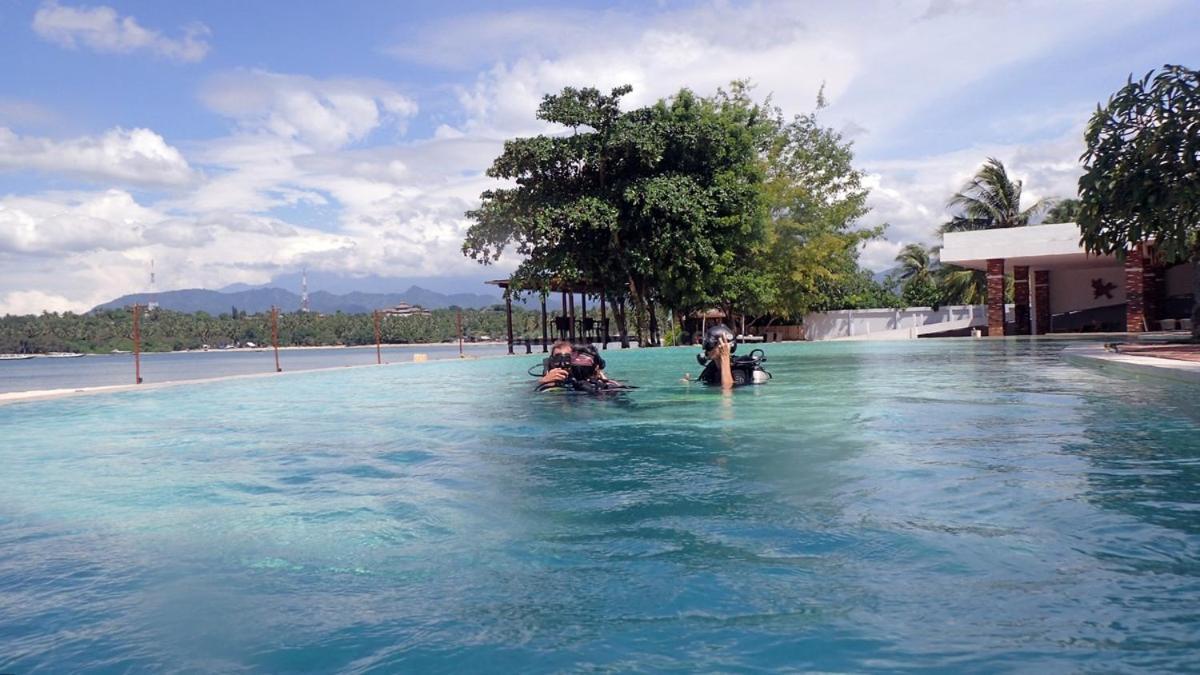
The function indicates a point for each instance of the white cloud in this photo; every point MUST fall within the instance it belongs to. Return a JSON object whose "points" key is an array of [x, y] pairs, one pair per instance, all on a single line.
{"points": [[136, 156], [34, 302], [324, 114], [911, 194], [87, 248], [103, 30], [314, 171]]}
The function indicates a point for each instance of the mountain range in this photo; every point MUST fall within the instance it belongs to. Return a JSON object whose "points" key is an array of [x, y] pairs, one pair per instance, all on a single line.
{"points": [[259, 299]]}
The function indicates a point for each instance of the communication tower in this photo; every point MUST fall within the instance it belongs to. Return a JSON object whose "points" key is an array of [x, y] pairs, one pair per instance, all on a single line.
{"points": [[304, 291], [153, 304]]}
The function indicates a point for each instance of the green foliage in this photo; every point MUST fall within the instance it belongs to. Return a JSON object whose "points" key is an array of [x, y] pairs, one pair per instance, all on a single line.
{"points": [[652, 204], [689, 203], [990, 200], [808, 260], [163, 330], [1063, 211], [1141, 177]]}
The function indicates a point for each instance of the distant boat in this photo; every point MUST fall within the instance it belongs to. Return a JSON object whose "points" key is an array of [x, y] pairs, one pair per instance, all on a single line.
{"points": [[63, 355], [15, 357]]}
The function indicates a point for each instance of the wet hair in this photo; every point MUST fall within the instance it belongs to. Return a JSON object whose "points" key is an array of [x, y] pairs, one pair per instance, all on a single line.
{"points": [[560, 344]]}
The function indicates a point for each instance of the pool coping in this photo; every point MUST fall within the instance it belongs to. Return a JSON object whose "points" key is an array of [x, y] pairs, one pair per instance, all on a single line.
{"points": [[1129, 364]]}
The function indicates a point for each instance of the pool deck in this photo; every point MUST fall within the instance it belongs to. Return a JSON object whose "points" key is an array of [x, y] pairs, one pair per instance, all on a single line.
{"points": [[1180, 367]]}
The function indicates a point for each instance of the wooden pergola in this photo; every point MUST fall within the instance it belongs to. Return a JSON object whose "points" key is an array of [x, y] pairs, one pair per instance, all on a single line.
{"points": [[567, 325]]}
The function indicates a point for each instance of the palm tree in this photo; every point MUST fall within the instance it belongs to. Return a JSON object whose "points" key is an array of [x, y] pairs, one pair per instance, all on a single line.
{"points": [[1063, 211], [916, 263], [990, 200], [962, 286]]}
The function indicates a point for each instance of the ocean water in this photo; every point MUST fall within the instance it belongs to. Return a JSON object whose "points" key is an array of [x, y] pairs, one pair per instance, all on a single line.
{"points": [[108, 369], [952, 506]]}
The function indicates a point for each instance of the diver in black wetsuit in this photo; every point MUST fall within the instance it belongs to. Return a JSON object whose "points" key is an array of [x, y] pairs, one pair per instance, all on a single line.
{"points": [[722, 368], [576, 368]]}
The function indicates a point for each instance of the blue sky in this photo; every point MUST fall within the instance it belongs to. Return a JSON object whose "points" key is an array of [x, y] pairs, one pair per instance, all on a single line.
{"points": [[234, 141]]}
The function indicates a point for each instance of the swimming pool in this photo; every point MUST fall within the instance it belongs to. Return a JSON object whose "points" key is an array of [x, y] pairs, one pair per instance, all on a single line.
{"points": [[946, 505]]}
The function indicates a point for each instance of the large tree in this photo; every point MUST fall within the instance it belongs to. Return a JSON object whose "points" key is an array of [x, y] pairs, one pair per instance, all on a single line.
{"points": [[990, 200], [654, 203], [816, 199], [1141, 180]]}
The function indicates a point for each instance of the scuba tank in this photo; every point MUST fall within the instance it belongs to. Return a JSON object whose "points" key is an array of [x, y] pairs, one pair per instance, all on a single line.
{"points": [[581, 365], [746, 369]]}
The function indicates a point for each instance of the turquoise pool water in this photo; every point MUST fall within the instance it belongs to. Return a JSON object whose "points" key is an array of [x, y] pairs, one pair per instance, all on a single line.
{"points": [[938, 505]]}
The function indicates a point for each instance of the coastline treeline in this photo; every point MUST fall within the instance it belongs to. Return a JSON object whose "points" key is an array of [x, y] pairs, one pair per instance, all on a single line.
{"points": [[164, 330]]}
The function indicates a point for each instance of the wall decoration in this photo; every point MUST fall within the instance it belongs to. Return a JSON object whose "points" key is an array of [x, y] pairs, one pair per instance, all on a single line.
{"points": [[1104, 288]]}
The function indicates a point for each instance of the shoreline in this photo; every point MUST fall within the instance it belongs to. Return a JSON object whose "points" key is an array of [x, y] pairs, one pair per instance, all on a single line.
{"points": [[35, 395], [235, 350]]}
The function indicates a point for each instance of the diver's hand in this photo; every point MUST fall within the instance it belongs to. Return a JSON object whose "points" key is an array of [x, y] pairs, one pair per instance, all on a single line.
{"points": [[723, 348], [554, 376]]}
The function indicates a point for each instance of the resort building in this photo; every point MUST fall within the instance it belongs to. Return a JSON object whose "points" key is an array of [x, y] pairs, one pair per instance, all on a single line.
{"points": [[405, 309], [1060, 288]]}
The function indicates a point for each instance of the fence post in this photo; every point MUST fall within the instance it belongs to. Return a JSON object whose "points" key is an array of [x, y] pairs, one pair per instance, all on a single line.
{"points": [[275, 336], [137, 344], [378, 337]]}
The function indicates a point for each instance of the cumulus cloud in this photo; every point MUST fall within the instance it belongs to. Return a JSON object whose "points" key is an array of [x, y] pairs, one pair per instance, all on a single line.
{"points": [[103, 30], [80, 249], [911, 194], [34, 302], [316, 172], [133, 155], [325, 114]]}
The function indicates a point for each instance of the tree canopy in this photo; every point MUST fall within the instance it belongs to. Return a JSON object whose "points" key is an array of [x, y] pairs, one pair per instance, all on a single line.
{"points": [[1141, 179], [692, 202], [653, 203]]}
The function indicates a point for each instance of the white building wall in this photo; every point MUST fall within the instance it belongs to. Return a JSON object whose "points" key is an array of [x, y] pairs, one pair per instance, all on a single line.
{"points": [[1071, 289], [892, 323]]}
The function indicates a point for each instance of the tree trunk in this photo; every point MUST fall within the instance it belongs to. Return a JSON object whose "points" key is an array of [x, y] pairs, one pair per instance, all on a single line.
{"points": [[622, 325], [639, 310], [1196, 296]]}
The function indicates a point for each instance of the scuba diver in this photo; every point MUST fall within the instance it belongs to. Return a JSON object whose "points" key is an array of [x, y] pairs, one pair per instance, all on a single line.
{"points": [[575, 368], [722, 368]]}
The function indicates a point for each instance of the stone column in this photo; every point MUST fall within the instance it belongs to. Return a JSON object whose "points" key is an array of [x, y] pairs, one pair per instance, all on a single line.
{"points": [[1135, 280], [1041, 300], [1021, 298], [995, 296]]}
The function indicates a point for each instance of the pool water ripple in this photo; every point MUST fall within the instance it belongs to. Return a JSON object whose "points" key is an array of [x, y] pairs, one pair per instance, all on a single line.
{"points": [[934, 505]]}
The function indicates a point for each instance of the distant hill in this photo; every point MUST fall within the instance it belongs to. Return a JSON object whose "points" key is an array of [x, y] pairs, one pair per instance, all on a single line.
{"points": [[255, 300]]}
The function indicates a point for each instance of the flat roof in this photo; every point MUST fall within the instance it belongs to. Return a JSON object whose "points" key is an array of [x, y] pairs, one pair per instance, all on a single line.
{"points": [[1037, 246]]}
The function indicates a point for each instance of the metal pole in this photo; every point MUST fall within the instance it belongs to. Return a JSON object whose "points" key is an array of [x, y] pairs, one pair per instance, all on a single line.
{"points": [[508, 308], [275, 336], [583, 326], [545, 334], [137, 344], [603, 320], [571, 324], [378, 340]]}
